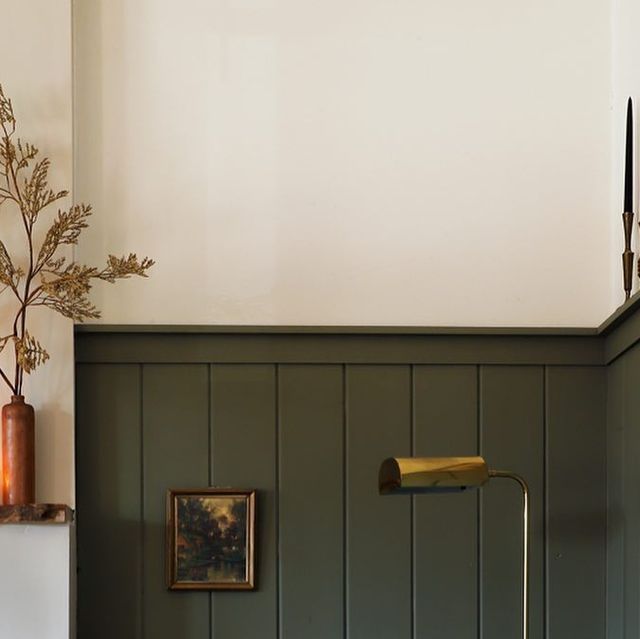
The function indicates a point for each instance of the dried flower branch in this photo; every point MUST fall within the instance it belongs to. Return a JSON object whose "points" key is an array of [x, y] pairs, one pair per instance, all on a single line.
{"points": [[45, 279], [29, 352]]}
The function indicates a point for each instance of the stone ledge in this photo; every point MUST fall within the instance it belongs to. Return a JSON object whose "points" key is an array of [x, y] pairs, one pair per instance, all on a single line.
{"points": [[36, 514]]}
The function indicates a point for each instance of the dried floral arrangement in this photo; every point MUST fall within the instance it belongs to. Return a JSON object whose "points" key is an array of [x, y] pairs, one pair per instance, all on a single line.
{"points": [[41, 277]]}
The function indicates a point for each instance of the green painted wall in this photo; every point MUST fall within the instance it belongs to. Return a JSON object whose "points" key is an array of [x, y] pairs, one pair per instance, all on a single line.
{"points": [[623, 463], [305, 418]]}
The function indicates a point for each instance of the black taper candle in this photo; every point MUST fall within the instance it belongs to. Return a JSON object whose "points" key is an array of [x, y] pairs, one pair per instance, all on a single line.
{"points": [[627, 214], [628, 167]]}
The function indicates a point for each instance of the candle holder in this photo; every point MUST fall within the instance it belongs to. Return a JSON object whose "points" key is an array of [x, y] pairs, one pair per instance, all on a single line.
{"points": [[627, 256]]}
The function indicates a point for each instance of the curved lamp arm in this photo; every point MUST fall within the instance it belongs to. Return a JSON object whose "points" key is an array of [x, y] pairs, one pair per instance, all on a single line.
{"points": [[525, 543]]}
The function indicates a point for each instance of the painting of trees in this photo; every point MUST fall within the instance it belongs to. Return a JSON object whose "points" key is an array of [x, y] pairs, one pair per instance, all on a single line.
{"points": [[211, 538]]}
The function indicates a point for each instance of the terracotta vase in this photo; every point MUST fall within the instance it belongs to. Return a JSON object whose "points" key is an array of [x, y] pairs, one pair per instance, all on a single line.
{"points": [[18, 452]]}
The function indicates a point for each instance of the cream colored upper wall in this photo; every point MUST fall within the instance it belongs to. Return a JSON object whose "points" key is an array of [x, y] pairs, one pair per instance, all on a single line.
{"points": [[625, 82], [35, 49], [349, 161]]}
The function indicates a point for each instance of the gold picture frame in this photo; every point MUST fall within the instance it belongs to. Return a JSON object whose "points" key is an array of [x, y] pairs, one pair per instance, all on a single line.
{"points": [[211, 539]]}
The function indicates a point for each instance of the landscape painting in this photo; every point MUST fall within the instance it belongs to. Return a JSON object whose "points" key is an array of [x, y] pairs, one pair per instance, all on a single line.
{"points": [[210, 539]]}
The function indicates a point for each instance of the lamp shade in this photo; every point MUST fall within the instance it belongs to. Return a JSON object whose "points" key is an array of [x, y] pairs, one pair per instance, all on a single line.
{"points": [[431, 474]]}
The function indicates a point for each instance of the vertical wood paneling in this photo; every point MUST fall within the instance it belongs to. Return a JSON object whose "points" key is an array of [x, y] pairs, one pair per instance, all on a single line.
{"points": [[336, 559], [631, 495], [175, 455], [243, 450], [310, 504], [446, 419], [616, 390], [108, 494], [512, 435], [576, 486], [379, 532]]}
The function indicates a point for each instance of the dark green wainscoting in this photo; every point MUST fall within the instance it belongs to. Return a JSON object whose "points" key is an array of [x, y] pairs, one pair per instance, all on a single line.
{"points": [[622, 355], [305, 417]]}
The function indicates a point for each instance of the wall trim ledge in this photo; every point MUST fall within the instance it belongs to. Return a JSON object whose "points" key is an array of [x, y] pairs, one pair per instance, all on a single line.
{"points": [[105, 343], [241, 329], [621, 330], [370, 345]]}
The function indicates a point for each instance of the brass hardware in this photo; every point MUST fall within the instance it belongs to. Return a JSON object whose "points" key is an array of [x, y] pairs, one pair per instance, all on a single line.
{"points": [[411, 475], [627, 256], [428, 474]]}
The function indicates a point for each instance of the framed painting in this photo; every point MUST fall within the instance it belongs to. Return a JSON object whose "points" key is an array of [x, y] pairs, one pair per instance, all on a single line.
{"points": [[211, 539]]}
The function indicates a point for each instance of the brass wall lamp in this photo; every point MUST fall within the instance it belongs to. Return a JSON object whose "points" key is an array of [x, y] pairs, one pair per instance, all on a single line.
{"points": [[416, 475]]}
